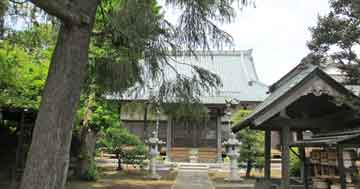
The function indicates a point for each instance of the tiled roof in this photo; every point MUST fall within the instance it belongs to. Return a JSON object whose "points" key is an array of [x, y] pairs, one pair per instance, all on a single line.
{"points": [[281, 90], [290, 81], [236, 70]]}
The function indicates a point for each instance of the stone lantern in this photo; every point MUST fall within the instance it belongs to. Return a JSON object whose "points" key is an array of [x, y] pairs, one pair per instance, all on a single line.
{"points": [[231, 146], [154, 143]]}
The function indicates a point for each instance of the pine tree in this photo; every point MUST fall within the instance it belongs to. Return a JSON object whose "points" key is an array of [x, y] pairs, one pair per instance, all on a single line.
{"points": [[336, 37]]}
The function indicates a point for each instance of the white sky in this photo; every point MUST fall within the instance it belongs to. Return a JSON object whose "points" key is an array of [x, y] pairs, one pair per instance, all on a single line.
{"points": [[277, 30]]}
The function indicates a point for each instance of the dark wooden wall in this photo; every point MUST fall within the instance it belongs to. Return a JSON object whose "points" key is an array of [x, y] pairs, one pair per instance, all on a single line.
{"points": [[194, 134]]}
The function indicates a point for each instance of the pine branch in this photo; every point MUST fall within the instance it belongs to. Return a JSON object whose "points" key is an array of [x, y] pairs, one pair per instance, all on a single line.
{"points": [[62, 10]]}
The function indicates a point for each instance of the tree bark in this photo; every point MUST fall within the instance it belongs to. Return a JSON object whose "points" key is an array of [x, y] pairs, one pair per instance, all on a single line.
{"points": [[119, 156], [87, 151], [48, 159], [248, 168], [2, 27]]}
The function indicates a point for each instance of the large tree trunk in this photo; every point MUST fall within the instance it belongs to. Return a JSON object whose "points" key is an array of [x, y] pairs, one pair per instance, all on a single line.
{"points": [[87, 151], [48, 157]]}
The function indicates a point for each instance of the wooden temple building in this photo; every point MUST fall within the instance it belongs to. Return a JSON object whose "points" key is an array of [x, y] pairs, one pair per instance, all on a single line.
{"points": [[307, 100], [241, 85]]}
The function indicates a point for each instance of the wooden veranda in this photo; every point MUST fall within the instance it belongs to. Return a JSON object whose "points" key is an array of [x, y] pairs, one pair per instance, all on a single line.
{"points": [[304, 100]]}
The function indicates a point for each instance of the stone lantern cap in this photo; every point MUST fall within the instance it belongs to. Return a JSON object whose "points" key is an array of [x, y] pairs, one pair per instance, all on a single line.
{"points": [[154, 139], [232, 141]]}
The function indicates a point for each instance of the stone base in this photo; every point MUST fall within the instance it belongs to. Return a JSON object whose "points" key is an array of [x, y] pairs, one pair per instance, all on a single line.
{"points": [[194, 159], [237, 179], [167, 159]]}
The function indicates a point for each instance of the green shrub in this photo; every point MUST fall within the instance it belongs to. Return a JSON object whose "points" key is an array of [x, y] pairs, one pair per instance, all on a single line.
{"points": [[135, 156], [116, 141], [295, 163]]}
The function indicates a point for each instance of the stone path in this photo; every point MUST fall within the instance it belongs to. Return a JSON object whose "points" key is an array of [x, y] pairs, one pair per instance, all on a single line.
{"points": [[193, 179]]}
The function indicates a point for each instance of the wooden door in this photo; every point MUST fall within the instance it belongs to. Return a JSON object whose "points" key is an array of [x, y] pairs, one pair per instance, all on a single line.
{"points": [[183, 134], [207, 134]]}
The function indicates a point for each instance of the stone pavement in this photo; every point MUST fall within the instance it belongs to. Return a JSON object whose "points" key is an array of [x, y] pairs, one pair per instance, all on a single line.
{"points": [[193, 179]]}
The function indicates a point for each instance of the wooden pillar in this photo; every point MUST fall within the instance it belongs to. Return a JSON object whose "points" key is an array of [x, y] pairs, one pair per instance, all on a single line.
{"points": [[340, 158], [194, 127], [285, 162], [218, 137], [168, 139], [304, 165], [146, 132], [267, 151]]}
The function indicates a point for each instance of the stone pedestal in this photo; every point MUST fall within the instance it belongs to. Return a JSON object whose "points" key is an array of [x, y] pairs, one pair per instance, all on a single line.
{"points": [[232, 152], [153, 143]]}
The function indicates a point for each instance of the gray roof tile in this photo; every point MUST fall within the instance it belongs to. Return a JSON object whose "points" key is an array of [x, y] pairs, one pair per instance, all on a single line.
{"points": [[276, 94], [236, 70]]}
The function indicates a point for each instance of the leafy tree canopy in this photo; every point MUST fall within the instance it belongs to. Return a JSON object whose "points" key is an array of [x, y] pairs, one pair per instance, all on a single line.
{"points": [[97, 114], [24, 61]]}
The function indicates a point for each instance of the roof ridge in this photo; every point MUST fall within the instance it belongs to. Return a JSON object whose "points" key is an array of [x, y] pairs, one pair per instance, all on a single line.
{"points": [[296, 70]]}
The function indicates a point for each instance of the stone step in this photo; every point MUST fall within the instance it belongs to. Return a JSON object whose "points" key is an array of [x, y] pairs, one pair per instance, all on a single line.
{"points": [[275, 160], [193, 166]]}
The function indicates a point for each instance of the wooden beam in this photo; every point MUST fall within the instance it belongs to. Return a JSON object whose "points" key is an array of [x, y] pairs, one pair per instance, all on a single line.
{"points": [[194, 128], [146, 129], [267, 151], [285, 162], [340, 158], [291, 96], [329, 121], [218, 134]]}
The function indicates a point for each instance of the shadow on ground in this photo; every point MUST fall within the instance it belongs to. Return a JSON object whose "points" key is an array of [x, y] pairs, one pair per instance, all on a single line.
{"points": [[134, 179]]}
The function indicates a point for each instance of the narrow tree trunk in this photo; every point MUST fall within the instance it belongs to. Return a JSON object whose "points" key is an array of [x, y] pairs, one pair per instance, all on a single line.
{"points": [[2, 27], [118, 156], [48, 158], [87, 150], [248, 168]]}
